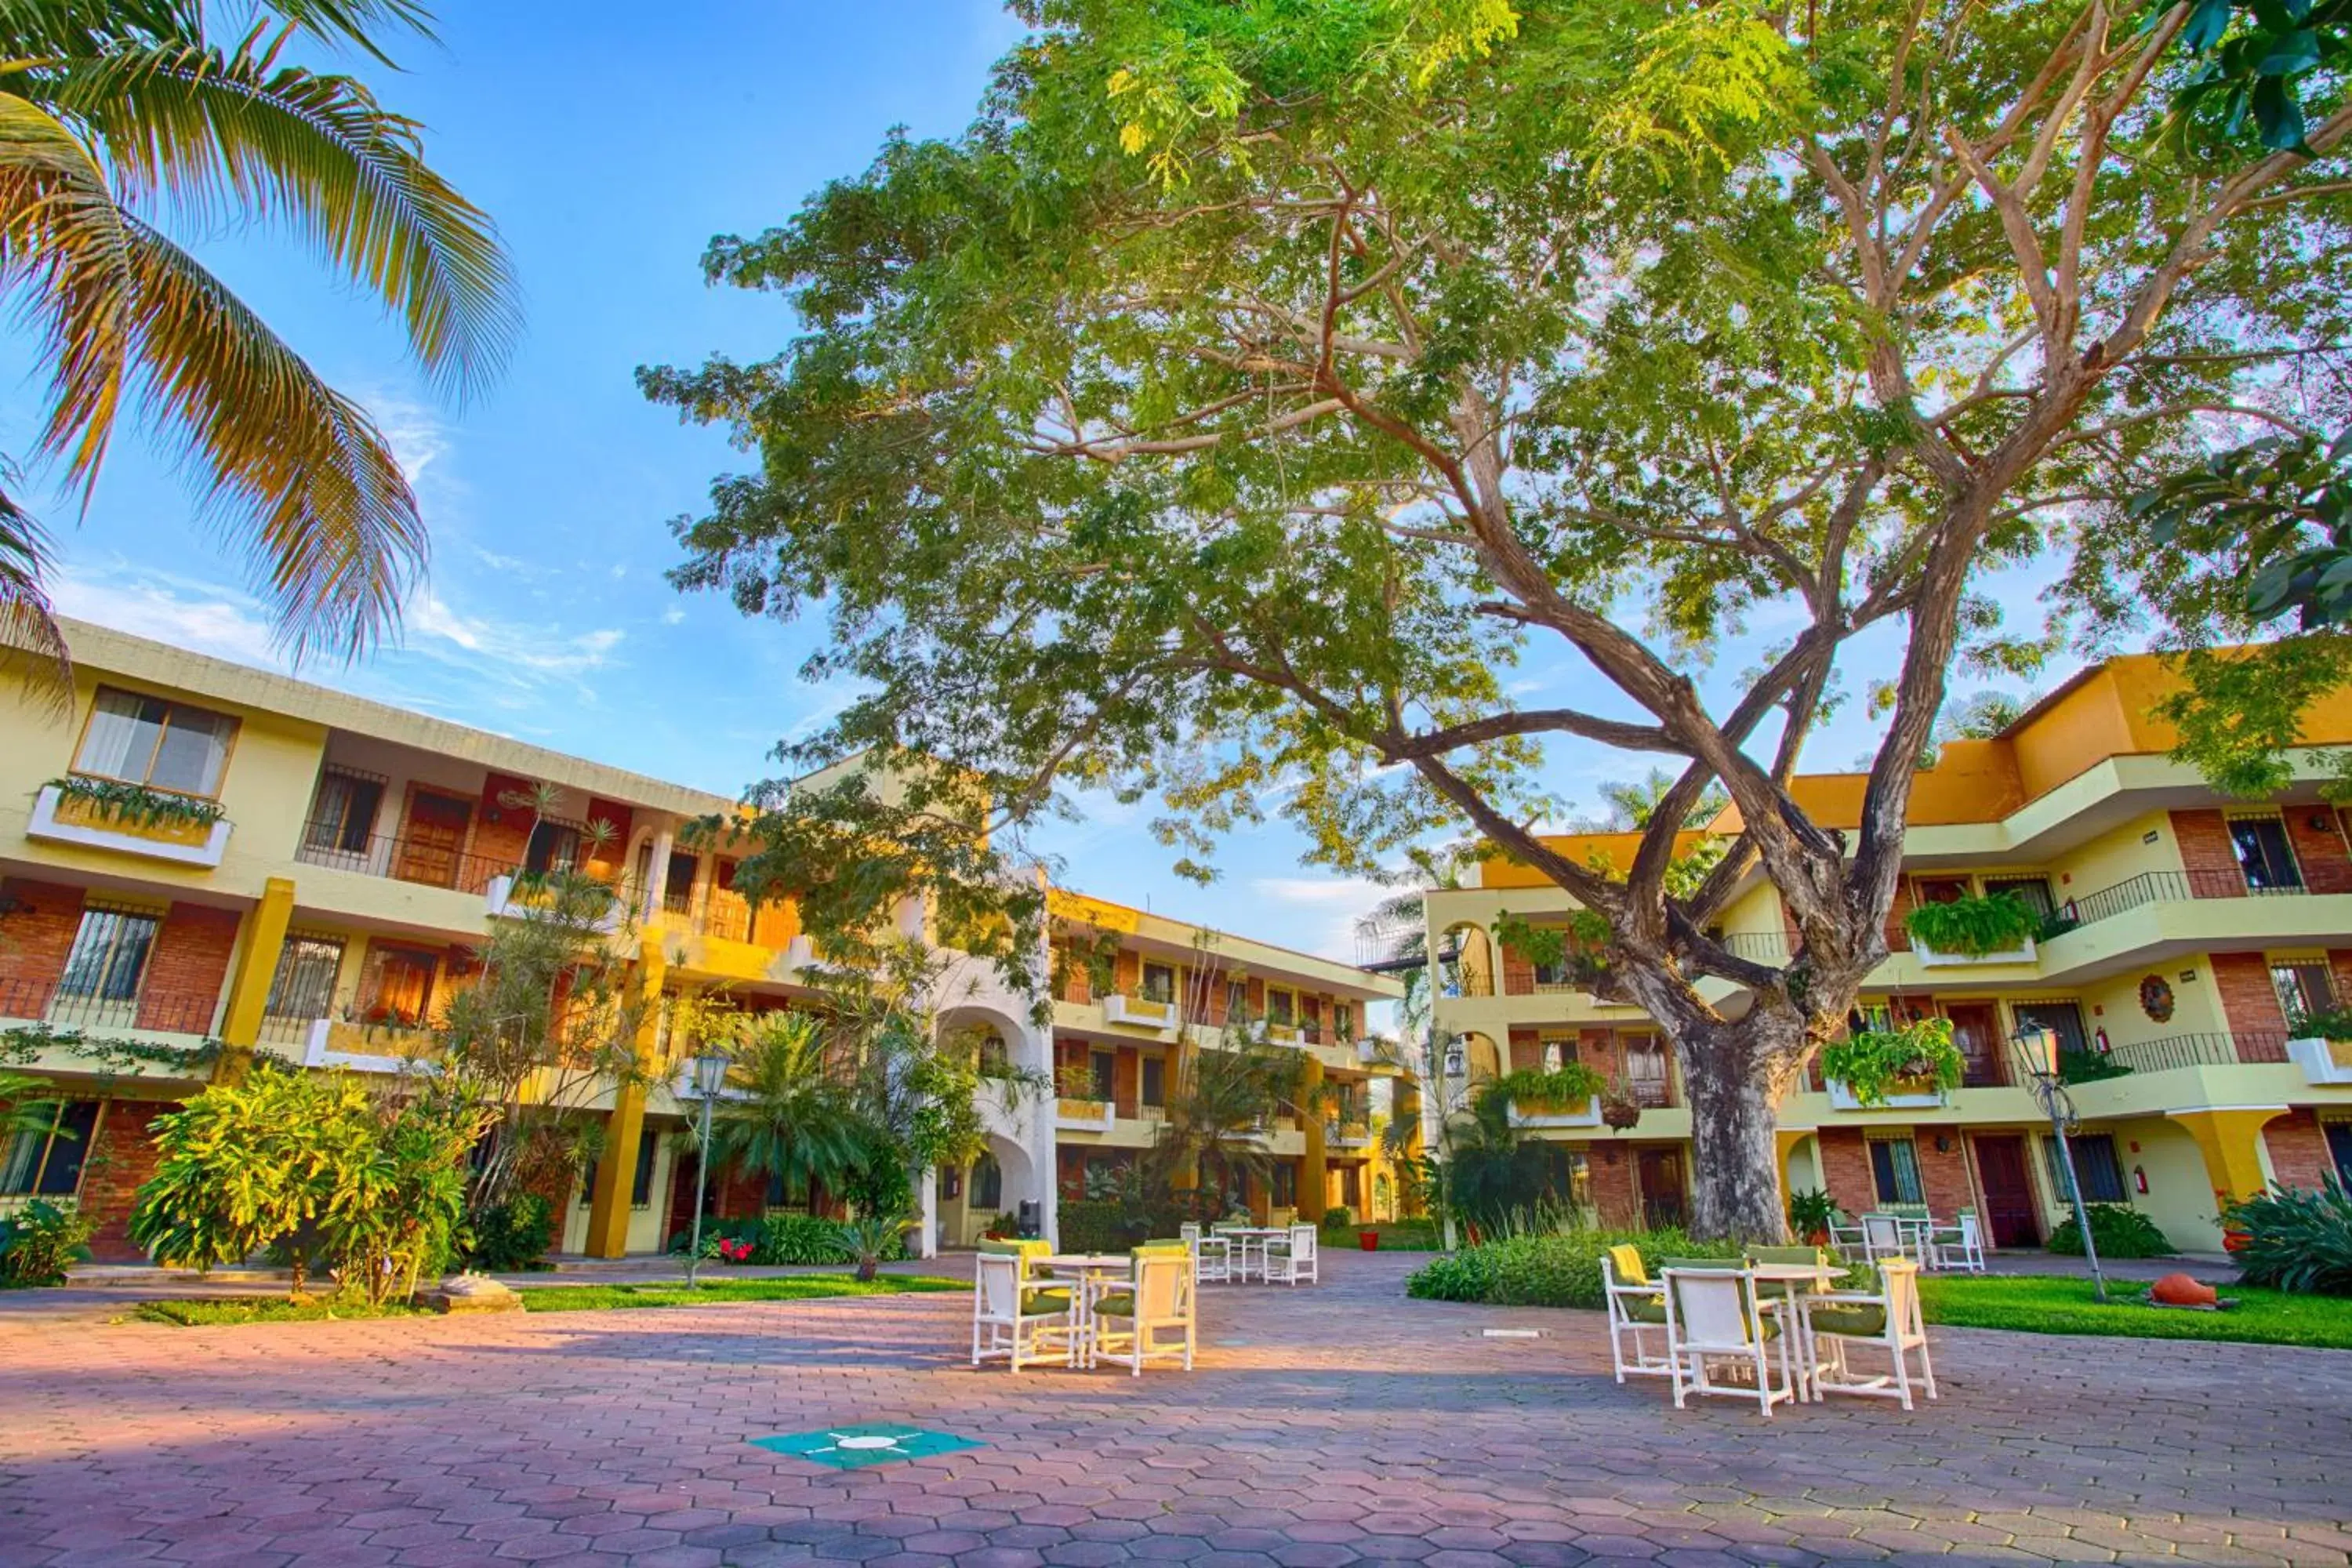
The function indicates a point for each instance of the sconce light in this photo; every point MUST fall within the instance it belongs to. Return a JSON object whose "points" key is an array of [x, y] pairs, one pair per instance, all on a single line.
{"points": [[1608, 1154], [1943, 1144], [2317, 822]]}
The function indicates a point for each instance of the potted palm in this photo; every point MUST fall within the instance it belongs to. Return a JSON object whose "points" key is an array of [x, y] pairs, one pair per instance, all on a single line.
{"points": [[1811, 1215]]}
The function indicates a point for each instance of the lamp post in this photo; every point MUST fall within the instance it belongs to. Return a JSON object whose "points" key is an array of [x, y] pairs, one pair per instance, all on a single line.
{"points": [[709, 1078], [2037, 1052]]}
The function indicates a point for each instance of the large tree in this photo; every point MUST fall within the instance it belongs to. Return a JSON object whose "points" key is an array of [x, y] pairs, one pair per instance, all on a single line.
{"points": [[1256, 390]]}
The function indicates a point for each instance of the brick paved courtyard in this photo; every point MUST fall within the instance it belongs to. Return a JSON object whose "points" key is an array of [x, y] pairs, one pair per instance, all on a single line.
{"points": [[1324, 1427]]}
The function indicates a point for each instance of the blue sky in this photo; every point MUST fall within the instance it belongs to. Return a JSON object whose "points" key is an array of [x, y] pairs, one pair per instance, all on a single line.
{"points": [[610, 151]]}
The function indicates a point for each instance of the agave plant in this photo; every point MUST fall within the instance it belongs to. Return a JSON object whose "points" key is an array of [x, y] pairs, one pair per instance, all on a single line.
{"points": [[2298, 1238]]}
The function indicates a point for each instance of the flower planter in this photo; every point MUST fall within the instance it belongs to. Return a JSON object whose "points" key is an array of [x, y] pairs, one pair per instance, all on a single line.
{"points": [[1370, 1240]]}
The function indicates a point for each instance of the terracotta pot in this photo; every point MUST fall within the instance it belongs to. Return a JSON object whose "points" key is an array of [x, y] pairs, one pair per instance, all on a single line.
{"points": [[2180, 1290], [1817, 1237], [1370, 1240]]}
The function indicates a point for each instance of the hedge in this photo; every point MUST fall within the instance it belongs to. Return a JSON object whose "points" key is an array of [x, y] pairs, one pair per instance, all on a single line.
{"points": [[1557, 1270]]}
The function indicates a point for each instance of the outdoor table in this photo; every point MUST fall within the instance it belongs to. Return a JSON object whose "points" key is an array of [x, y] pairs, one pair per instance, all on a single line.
{"points": [[1789, 1276], [1247, 1236], [1088, 1272]]}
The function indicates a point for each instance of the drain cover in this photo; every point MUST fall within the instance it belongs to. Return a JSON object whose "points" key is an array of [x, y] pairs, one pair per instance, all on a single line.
{"points": [[874, 1443]]}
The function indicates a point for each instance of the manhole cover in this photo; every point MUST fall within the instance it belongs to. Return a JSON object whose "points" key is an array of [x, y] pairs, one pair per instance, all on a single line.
{"points": [[874, 1443]]}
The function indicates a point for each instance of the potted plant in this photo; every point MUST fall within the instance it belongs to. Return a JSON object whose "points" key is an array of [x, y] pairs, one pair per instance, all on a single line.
{"points": [[1620, 1111], [1920, 1057], [1974, 928], [1811, 1215]]}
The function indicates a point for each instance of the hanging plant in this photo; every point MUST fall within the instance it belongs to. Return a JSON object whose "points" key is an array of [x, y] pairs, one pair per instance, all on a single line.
{"points": [[137, 807], [1620, 1111], [1872, 1062], [1999, 923]]}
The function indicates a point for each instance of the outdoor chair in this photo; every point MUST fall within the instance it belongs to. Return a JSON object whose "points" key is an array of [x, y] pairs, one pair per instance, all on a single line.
{"points": [[1716, 1324], [1883, 1236], [1293, 1258], [1636, 1304], [1959, 1245], [1213, 1256], [1887, 1319], [1153, 1318], [1016, 1320]]}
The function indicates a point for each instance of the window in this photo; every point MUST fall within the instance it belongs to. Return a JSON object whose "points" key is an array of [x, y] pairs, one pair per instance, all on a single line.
{"points": [[1155, 1081], [1106, 1067], [1646, 1070], [1159, 983], [554, 846], [678, 890], [1237, 999], [147, 740], [1286, 1185], [1554, 1056], [108, 957], [46, 1161], [641, 1182], [1343, 1021], [2339, 1149], [2033, 892], [2305, 986], [399, 992], [304, 984], [1895, 1169], [995, 1060], [2096, 1166], [2264, 853], [1280, 1006], [2063, 1019], [343, 812], [987, 1184]]}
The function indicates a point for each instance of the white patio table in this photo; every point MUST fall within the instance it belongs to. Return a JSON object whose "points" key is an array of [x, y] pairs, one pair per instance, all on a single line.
{"points": [[1091, 1274], [1792, 1278], [1251, 1241]]}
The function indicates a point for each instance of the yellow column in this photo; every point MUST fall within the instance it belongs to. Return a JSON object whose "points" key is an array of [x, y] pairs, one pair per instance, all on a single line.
{"points": [[625, 1125], [1784, 1143], [255, 964], [2231, 1142], [1315, 1169]]}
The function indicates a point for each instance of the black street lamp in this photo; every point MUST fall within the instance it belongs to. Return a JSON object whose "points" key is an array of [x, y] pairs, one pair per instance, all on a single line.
{"points": [[709, 1078], [2037, 1053]]}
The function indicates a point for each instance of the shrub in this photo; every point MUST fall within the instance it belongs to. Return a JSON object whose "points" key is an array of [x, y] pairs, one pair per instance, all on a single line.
{"points": [[1097, 1225], [2120, 1230], [875, 1240], [1811, 1211], [1338, 1217], [39, 1240], [1874, 1061], [2298, 1239], [1997, 922], [798, 1238], [1563, 1269], [503, 1239]]}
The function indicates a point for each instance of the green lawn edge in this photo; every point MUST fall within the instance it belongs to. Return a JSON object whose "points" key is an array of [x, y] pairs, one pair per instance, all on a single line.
{"points": [[784, 1287], [2043, 1304]]}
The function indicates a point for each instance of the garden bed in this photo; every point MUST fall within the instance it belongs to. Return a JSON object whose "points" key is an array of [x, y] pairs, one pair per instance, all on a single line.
{"points": [[231, 1311], [716, 1292]]}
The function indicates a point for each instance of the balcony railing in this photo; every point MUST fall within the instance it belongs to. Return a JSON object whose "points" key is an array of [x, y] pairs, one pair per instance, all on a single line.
{"points": [[167, 1012], [2173, 1051], [2161, 888], [405, 858]]}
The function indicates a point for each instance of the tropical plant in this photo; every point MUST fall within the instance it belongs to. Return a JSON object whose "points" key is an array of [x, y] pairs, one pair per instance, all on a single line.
{"points": [[508, 1237], [1811, 1212], [2327, 1024], [872, 1240], [2298, 1238], [2119, 1229], [1871, 1062], [1570, 1084], [136, 805], [1997, 923], [1211, 1144], [39, 1240], [27, 1104], [1557, 1269], [790, 1115], [798, 1238], [115, 111]]}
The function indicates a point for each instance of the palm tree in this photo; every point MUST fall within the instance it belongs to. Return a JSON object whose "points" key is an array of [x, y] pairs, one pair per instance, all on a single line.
{"points": [[1209, 1135], [117, 113], [791, 1115]]}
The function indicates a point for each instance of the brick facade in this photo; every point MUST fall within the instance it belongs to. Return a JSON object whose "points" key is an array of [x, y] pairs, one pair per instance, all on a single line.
{"points": [[38, 922], [1944, 1178], [124, 1157], [2249, 1002], [1527, 1051], [187, 969], [1615, 1189], [2298, 1149], [1518, 973], [1846, 1170], [2208, 854], [2319, 850]]}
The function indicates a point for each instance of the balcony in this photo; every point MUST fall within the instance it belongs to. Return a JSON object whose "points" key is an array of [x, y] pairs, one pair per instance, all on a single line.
{"points": [[427, 861], [1074, 1115], [1540, 1113], [600, 906], [1138, 1012], [2161, 888], [1918, 1098], [1347, 1134], [147, 1009], [2322, 1061], [377, 1048], [157, 824], [1929, 958], [2172, 1052]]}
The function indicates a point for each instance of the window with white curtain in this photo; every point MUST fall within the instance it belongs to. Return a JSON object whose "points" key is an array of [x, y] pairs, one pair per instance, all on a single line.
{"points": [[146, 741]]}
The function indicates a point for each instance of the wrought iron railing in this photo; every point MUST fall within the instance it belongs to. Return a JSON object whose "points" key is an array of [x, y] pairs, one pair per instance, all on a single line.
{"points": [[2159, 887], [2192, 1050], [48, 1002], [406, 858]]}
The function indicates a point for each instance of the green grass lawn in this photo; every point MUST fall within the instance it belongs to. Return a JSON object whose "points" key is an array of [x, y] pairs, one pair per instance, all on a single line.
{"points": [[785, 1287], [2048, 1305], [216, 1312]]}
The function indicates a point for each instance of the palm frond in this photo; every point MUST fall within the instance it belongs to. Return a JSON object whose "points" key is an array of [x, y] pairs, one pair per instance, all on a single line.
{"points": [[298, 475], [357, 22], [211, 130], [29, 627]]}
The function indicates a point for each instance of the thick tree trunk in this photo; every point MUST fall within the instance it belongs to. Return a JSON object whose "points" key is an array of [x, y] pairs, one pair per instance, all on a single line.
{"points": [[1734, 1074]]}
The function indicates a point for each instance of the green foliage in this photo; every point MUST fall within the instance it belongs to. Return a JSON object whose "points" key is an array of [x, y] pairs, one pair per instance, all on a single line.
{"points": [[791, 1113], [1532, 1089], [1873, 1061], [2298, 1239], [2058, 1304], [2270, 61], [378, 1179], [508, 1237], [872, 1240], [1098, 1225], [135, 806], [792, 1287], [1563, 1269], [2119, 1229], [1997, 922], [1396, 1236], [38, 1241], [798, 1238], [2089, 1066], [26, 1043], [1811, 1211], [2327, 1024], [213, 1312], [1338, 1217]]}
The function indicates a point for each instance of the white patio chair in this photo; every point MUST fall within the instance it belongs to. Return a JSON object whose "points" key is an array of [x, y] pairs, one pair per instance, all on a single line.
{"points": [[1015, 1322], [1135, 1325], [1635, 1305], [1889, 1319], [1882, 1236], [1715, 1323], [1293, 1258], [1959, 1245], [1213, 1256]]}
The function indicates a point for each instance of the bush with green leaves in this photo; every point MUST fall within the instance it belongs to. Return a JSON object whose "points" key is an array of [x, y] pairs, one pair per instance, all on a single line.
{"points": [[38, 1241], [2119, 1229], [1098, 1225], [1997, 922], [1563, 1269], [872, 1240], [1811, 1211], [2298, 1238], [508, 1238], [1874, 1063], [798, 1238]]}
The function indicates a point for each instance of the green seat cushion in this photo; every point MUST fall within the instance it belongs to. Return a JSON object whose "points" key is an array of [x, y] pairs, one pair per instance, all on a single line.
{"points": [[1118, 1304], [1861, 1322], [1807, 1256], [1720, 1264], [1049, 1293], [1041, 1303], [1644, 1308]]}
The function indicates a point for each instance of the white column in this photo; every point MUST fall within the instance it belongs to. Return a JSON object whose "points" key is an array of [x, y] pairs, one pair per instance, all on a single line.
{"points": [[927, 1197]]}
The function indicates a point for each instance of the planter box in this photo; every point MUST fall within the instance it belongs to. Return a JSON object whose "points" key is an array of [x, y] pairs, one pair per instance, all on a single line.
{"points": [[2322, 1061], [1582, 1113], [1897, 1099], [60, 821], [1931, 959], [509, 898], [1083, 1115], [1138, 1012]]}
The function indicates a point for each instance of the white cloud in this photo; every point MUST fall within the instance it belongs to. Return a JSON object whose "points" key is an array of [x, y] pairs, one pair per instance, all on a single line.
{"points": [[201, 617], [674, 616], [1340, 900]]}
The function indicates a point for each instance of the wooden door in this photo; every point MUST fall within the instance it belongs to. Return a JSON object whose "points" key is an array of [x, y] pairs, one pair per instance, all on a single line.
{"points": [[2010, 1217], [1661, 1173], [434, 841], [1976, 1029]]}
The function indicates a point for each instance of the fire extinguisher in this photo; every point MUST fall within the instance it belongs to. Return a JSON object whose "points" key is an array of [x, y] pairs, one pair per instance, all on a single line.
{"points": [[2100, 1036]]}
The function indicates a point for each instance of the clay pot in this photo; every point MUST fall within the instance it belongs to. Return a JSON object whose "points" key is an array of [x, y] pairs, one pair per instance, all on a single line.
{"points": [[2180, 1290], [1370, 1240]]}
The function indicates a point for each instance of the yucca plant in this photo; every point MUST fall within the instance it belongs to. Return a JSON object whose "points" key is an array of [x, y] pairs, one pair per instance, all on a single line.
{"points": [[2298, 1238], [873, 1240], [118, 115]]}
